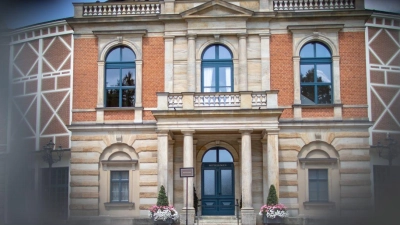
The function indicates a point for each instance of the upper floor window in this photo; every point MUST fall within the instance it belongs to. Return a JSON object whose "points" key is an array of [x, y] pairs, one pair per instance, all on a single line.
{"points": [[120, 78], [217, 69], [315, 74]]}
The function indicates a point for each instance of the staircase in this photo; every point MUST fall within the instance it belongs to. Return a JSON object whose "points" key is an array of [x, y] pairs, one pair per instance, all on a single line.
{"points": [[217, 220]]}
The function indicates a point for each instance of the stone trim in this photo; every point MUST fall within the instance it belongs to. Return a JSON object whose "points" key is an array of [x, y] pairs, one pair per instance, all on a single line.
{"points": [[119, 205]]}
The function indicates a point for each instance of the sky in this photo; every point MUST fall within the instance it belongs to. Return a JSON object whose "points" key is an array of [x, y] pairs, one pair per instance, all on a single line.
{"points": [[19, 13]]}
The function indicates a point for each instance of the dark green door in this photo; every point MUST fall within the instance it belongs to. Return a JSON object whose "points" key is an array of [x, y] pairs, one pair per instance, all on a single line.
{"points": [[218, 189]]}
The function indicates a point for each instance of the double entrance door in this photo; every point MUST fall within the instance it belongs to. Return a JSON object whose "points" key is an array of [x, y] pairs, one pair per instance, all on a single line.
{"points": [[218, 189]]}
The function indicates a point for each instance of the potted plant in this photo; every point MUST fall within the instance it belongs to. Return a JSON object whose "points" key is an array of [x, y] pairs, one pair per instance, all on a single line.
{"points": [[273, 212], [162, 213]]}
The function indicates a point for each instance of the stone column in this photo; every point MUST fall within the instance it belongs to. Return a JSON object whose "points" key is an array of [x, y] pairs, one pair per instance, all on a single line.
{"points": [[264, 142], [162, 159], [273, 160], [191, 63], [248, 215], [242, 62], [170, 181], [296, 88], [169, 64], [188, 162], [265, 62]]}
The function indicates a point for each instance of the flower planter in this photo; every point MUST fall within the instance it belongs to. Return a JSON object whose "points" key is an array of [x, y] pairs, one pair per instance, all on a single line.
{"points": [[276, 220], [160, 222]]}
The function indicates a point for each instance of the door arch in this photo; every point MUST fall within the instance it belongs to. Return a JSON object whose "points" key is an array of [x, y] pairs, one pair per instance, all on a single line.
{"points": [[218, 182]]}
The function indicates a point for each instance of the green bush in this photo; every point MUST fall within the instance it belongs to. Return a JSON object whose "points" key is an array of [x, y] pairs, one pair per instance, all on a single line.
{"points": [[162, 199], [272, 197]]}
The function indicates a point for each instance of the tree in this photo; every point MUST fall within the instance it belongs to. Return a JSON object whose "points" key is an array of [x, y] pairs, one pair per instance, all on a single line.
{"points": [[272, 197], [162, 199]]}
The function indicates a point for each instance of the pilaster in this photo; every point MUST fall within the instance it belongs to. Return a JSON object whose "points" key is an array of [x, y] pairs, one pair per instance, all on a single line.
{"points": [[243, 62], [191, 63]]}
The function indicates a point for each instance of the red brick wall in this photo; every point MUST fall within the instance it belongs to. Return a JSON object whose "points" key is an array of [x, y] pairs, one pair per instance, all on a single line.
{"points": [[317, 112], [119, 115], [282, 70], [353, 81], [153, 72], [85, 78]]}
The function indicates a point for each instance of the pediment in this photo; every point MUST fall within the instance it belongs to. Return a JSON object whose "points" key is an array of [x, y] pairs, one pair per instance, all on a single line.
{"points": [[216, 8]]}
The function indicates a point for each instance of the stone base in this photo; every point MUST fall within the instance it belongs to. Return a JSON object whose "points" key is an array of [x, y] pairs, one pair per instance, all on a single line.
{"points": [[248, 217], [191, 215]]}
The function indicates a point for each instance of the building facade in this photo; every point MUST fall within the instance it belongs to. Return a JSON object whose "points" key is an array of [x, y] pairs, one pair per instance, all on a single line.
{"points": [[249, 93]]}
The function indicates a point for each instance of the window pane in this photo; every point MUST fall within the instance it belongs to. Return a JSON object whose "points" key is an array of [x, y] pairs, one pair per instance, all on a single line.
{"points": [[307, 95], [115, 191], [225, 89], [114, 176], [313, 190], [112, 97], [124, 175], [114, 55], [224, 53], [210, 156], [209, 89], [306, 73], [312, 174], [128, 77], [226, 182], [225, 76], [323, 190], [323, 174], [208, 78], [324, 94], [112, 78], [209, 182], [225, 156], [128, 97], [322, 51], [127, 55], [124, 191], [307, 51], [324, 73], [210, 53]]}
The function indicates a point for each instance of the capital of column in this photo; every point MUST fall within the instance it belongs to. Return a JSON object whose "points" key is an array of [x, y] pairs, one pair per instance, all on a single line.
{"points": [[100, 63], [246, 131], [169, 37], [162, 132], [188, 132], [296, 58], [191, 36], [265, 35], [242, 35]]}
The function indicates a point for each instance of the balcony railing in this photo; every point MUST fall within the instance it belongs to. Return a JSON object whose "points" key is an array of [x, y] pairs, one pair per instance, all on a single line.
{"points": [[121, 8], [220, 100], [290, 5]]}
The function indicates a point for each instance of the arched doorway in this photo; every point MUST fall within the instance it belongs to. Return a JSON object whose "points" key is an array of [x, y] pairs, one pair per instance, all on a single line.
{"points": [[218, 182]]}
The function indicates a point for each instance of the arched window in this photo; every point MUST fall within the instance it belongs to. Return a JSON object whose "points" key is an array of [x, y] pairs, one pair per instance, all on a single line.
{"points": [[215, 155], [217, 69], [315, 74], [120, 78]]}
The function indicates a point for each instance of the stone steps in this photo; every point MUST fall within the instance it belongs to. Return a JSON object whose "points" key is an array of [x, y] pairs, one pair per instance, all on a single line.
{"points": [[217, 220]]}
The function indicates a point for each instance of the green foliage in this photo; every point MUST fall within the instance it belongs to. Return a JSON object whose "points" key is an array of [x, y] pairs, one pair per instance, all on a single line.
{"points": [[272, 197], [162, 199]]}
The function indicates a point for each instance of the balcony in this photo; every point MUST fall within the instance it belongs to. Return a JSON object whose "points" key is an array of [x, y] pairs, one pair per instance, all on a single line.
{"points": [[298, 5], [107, 9], [217, 100]]}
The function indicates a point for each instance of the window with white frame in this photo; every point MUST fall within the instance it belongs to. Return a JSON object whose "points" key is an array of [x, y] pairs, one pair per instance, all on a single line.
{"points": [[120, 78], [217, 69], [315, 74]]}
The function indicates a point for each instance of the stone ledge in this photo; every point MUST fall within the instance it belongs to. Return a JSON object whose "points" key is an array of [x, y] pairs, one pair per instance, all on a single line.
{"points": [[119, 205], [319, 205]]}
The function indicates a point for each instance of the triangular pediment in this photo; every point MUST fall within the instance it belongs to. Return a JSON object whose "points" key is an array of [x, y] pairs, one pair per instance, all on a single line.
{"points": [[217, 8]]}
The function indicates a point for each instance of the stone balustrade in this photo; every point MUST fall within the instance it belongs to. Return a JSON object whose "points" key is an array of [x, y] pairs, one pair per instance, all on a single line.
{"points": [[120, 8], [208, 100], [313, 5]]}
